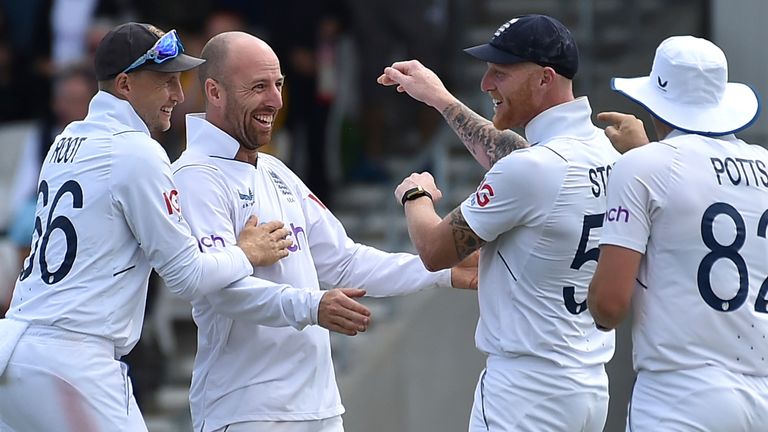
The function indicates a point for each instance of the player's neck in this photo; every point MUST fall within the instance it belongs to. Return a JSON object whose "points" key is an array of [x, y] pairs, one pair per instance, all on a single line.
{"points": [[245, 155]]}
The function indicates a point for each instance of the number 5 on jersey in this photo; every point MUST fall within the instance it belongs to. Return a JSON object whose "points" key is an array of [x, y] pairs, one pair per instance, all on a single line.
{"points": [[583, 255]]}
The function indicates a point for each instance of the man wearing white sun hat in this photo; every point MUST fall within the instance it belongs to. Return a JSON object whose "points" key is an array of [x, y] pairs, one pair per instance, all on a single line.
{"points": [[685, 234]]}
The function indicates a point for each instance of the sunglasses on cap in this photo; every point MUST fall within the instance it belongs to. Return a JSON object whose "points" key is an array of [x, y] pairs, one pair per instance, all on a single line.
{"points": [[166, 48]]}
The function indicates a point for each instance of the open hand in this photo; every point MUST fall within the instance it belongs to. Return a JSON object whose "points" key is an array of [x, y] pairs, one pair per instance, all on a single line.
{"points": [[339, 312], [264, 244]]}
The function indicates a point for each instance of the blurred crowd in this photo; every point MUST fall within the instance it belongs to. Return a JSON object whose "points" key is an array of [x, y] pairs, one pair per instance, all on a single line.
{"points": [[337, 124], [331, 52]]}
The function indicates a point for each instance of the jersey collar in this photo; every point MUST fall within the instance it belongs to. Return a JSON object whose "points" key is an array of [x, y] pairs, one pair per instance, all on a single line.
{"points": [[678, 132], [116, 110], [568, 120], [208, 139]]}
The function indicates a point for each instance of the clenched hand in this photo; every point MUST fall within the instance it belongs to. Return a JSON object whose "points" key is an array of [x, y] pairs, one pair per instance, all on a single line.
{"points": [[419, 82], [264, 244]]}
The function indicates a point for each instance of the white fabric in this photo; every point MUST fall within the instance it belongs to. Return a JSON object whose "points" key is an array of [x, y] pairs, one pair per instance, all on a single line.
{"points": [[63, 381], [333, 424], [115, 218], [688, 89], [10, 333], [540, 210], [249, 372], [708, 399], [690, 311], [529, 394]]}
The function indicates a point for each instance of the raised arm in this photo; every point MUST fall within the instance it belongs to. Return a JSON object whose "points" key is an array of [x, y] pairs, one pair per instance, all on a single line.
{"points": [[486, 143]]}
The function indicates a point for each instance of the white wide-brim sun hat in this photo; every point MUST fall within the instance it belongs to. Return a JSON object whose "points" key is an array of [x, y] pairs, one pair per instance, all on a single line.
{"points": [[688, 89]]}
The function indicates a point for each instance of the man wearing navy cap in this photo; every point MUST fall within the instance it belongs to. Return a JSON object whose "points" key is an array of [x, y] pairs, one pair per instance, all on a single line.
{"points": [[685, 243], [536, 218]]}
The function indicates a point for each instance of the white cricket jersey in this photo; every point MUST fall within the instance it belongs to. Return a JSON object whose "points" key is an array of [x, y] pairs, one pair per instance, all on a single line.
{"points": [[107, 212], [697, 208], [245, 371], [540, 210]]}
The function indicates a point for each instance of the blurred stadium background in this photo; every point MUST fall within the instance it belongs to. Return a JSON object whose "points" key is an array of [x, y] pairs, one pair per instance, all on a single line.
{"points": [[416, 368]]}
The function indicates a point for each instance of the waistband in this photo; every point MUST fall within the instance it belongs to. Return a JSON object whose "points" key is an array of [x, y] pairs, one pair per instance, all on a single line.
{"points": [[537, 363], [63, 335]]}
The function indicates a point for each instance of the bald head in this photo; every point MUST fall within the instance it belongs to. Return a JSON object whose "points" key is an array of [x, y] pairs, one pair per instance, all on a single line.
{"points": [[217, 53], [243, 83]]}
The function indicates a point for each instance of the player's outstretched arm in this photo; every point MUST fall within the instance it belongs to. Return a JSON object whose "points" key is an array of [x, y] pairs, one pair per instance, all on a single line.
{"points": [[486, 143], [264, 244]]}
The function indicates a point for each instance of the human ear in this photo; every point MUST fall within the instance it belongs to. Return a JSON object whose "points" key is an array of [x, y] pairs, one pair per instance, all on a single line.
{"points": [[213, 92], [547, 75], [122, 85]]}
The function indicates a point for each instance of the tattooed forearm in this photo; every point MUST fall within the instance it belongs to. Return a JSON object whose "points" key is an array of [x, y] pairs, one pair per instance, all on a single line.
{"points": [[465, 240], [486, 143]]}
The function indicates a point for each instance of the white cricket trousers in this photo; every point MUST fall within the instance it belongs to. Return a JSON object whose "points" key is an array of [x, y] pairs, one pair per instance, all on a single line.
{"points": [[529, 394], [706, 399], [57, 380], [333, 424]]}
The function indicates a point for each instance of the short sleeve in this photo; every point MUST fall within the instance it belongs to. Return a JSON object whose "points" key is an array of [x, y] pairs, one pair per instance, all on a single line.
{"points": [[636, 189], [518, 190]]}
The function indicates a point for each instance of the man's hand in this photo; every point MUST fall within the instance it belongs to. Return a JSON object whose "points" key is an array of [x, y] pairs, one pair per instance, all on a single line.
{"points": [[464, 274], [338, 311], [419, 82], [625, 131], [264, 244], [425, 180]]}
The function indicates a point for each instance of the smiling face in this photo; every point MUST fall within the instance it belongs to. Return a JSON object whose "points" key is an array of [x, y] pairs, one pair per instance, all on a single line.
{"points": [[516, 91], [251, 93], [153, 96]]}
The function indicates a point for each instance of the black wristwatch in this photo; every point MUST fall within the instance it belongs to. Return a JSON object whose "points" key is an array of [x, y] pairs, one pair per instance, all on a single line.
{"points": [[413, 193]]}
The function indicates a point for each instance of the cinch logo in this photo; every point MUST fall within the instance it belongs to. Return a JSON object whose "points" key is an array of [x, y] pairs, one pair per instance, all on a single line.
{"points": [[484, 194], [296, 246], [615, 214], [171, 199], [210, 241]]}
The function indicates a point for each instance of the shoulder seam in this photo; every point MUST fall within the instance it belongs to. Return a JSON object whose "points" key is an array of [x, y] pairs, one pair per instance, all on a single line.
{"points": [[553, 151]]}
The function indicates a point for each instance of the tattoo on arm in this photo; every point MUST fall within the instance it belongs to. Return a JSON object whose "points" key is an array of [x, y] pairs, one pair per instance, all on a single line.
{"points": [[486, 143], [465, 240]]}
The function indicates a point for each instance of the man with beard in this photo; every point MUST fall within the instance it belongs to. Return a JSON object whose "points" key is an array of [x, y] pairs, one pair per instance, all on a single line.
{"points": [[106, 214], [247, 376], [537, 216]]}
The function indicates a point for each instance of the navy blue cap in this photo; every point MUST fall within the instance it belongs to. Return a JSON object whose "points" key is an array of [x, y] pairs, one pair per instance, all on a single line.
{"points": [[126, 43], [538, 39]]}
